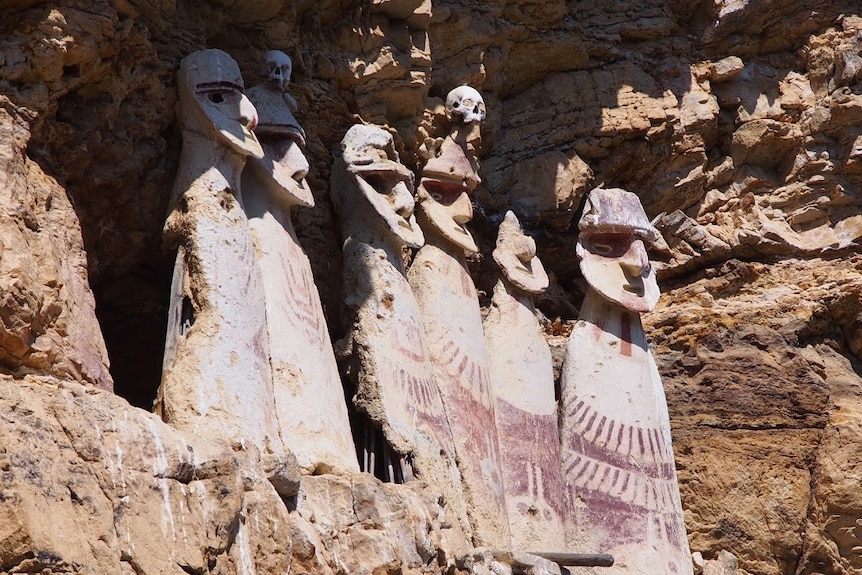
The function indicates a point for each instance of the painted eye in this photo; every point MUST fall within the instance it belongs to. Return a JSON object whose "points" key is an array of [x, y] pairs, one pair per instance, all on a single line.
{"points": [[603, 249], [437, 197], [216, 97]]}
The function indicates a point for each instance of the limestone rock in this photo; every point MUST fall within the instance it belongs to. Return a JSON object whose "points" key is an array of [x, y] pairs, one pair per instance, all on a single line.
{"points": [[94, 485], [121, 486], [783, 363], [48, 323], [89, 151], [368, 526], [547, 186], [725, 69], [724, 564]]}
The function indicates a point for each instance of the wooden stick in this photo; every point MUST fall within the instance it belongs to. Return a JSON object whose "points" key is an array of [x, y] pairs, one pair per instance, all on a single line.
{"points": [[577, 559]]}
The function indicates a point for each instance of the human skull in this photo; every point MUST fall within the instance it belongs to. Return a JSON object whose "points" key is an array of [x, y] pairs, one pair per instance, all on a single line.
{"points": [[465, 103], [278, 67]]}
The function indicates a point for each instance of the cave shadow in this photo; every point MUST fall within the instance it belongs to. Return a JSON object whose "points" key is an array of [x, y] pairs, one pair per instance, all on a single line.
{"points": [[116, 176]]}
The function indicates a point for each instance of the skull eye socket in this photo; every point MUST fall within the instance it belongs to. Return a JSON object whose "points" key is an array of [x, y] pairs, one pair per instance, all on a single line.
{"points": [[456, 104]]}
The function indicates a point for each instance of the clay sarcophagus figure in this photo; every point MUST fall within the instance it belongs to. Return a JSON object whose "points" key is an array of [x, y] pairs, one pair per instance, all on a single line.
{"points": [[309, 400], [522, 382], [452, 318], [622, 494], [372, 193], [216, 379]]}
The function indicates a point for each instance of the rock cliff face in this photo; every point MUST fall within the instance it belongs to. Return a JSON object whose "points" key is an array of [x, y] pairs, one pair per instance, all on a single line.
{"points": [[737, 122]]}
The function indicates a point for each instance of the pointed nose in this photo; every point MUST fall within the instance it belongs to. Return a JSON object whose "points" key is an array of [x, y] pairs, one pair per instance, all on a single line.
{"points": [[402, 201], [635, 262], [528, 249], [247, 113], [462, 209], [297, 160]]}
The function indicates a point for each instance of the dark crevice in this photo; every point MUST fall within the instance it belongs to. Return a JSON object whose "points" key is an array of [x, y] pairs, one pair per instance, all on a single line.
{"points": [[133, 312], [376, 455]]}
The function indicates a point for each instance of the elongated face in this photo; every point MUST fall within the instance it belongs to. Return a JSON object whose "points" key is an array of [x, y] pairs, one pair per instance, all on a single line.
{"points": [[285, 168], [612, 248], [446, 207], [616, 265], [283, 139], [515, 253], [212, 101], [384, 183]]}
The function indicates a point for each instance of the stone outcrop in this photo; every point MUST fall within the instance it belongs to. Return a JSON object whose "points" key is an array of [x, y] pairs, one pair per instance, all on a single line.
{"points": [[47, 315], [736, 122], [762, 454], [93, 485]]}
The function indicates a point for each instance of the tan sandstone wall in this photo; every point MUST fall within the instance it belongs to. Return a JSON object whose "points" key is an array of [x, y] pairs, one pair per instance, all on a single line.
{"points": [[737, 122]]}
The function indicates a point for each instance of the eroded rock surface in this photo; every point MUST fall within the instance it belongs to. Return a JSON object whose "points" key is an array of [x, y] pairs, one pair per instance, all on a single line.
{"points": [[738, 124], [756, 365], [47, 312], [93, 485]]}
